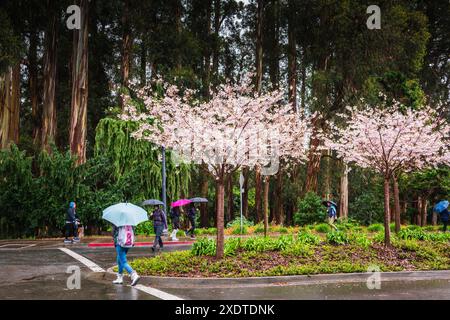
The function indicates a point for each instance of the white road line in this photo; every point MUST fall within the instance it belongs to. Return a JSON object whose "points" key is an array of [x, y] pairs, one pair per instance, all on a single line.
{"points": [[94, 267], [157, 293], [88, 263]]}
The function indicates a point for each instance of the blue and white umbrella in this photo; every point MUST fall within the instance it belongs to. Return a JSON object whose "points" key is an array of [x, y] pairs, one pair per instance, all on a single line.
{"points": [[125, 214], [441, 206]]}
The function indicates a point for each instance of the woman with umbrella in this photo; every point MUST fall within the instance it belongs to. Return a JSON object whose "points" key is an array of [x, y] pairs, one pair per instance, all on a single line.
{"points": [[159, 224], [442, 209], [124, 217], [331, 212]]}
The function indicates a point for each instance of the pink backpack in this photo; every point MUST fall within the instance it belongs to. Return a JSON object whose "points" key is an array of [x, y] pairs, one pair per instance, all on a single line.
{"points": [[126, 237]]}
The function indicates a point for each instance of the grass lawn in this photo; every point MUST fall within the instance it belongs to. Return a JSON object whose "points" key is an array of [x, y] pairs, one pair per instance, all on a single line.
{"points": [[312, 250]]}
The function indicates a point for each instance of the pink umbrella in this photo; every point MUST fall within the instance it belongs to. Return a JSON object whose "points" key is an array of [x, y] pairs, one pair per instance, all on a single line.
{"points": [[181, 202]]}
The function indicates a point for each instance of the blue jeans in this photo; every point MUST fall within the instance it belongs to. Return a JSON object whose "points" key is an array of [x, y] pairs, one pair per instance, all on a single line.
{"points": [[122, 260]]}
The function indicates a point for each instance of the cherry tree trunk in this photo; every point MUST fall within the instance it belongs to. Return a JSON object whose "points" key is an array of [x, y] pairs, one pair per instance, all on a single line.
{"points": [[278, 208], [343, 203], [397, 205], [220, 218], [258, 192], [387, 231], [48, 128], [266, 204], [78, 114]]}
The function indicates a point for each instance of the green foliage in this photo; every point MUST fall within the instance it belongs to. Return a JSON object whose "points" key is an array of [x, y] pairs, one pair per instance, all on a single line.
{"points": [[307, 238], [338, 237], [237, 223], [367, 208], [360, 239], [258, 244], [204, 247], [412, 234], [237, 230], [322, 228], [231, 246], [310, 210], [145, 229], [376, 227]]}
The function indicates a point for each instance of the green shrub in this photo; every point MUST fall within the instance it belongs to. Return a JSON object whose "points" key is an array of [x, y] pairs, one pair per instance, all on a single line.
{"points": [[237, 230], [308, 238], [409, 234], [360, 239], [145, 229], [323, 228], [284, 242], [258, 244], [237, 223], [204, 247], [299, 249], [231, 246], [259, 228], [310, 210], [379, 237], [338, 237], [376, 227], [367, 208]]}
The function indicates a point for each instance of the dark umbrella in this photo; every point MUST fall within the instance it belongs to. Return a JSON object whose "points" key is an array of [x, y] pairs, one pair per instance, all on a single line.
{"points": [[198, 200], [325, 203], [152, 202]]}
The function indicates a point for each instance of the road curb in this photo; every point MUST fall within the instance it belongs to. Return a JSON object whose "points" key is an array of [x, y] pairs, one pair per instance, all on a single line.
{"points": [[183, 282]]}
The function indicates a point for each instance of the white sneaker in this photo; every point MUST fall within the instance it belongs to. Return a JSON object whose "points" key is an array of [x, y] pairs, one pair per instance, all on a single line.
{"points": [[134, 278], [119, 279]]}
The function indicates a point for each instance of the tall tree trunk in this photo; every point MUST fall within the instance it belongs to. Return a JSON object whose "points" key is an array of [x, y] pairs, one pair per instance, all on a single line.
{"points": [[78, 113], [328, 194], [419, 211], [266, 204], [397, 204], [434, 219], [387, 230], [258, 193], [48, 129], [313, 167], [177, 14], [127, 43], [292, 59], [33, 87], [259, 45], [204, 193], [143, 69], [206, 79], [303, 78], [220, 183], [343, 203], [424, 208], [9, 106], [215, 66]]}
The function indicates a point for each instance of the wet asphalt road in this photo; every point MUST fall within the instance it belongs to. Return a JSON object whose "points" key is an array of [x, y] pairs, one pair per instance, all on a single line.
{"points": [[37, 270]]}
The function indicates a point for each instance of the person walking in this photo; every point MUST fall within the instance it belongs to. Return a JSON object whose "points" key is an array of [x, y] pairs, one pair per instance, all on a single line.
{"points": [[444, 214], [72, 221], [123, 240], [175, 217], [332, 214], [191, 216], [159, 224]]}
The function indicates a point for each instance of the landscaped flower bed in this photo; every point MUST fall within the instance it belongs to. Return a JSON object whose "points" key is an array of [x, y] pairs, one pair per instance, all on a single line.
{"points": [[352, 249]]}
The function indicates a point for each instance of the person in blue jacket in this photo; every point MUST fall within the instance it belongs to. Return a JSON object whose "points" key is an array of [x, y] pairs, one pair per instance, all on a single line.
{"points": [[72, 221], [444, 218]]}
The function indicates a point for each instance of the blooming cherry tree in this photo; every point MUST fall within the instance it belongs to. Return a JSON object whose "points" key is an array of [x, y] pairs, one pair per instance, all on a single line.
{"points": [[234, 129], [389, 141]]}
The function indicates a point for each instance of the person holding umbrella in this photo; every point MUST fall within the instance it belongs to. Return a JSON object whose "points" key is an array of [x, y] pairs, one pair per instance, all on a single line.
{"points": [[331, 212], [175, 216], [442, 209], [159, 224], [124, 217], [191, 216]]}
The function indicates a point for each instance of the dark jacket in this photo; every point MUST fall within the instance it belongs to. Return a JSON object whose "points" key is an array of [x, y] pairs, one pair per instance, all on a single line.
{"points": [[71, 215], [159, 218], [331, 211], [175, 213], [191, 212], [444, 215]]}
